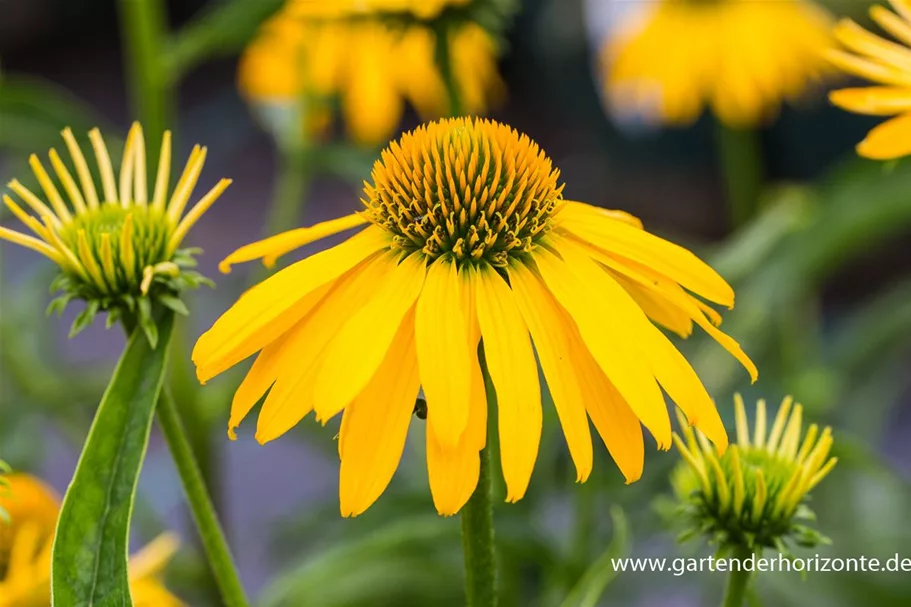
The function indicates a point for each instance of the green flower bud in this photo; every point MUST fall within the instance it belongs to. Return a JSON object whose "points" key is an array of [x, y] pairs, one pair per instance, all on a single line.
{"points": [[753, 495], [118, 249]]}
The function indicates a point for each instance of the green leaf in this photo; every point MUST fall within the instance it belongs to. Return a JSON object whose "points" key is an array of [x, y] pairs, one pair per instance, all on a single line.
{"points": [[593, 582], [92, 540]]}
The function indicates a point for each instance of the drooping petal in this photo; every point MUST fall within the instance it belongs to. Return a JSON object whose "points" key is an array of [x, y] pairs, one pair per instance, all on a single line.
{"points": [[613, 344], [675, 262], [657, 308], [544, 319], [667, 364], [270, 249], [273, 306], [376, 424], [514, 373], [358, 349], [663, 289], [442, 338]]}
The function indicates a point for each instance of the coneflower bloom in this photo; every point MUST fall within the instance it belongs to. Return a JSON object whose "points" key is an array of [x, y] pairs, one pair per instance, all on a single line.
{"points": [[742, 59], [469, 240], [117, 246], [888, 64], [312, 53], [25, 551], [754, 494]]}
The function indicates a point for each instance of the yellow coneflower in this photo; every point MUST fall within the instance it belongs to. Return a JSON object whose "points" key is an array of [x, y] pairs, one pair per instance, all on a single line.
{"points": [[740, 58], [118, 248], [886, 63], [25, 551], [753, 495], [469, 237], [372, 66]]}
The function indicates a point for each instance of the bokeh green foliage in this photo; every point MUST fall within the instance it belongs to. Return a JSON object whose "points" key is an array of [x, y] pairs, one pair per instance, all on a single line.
{"points": [[556, 544]]}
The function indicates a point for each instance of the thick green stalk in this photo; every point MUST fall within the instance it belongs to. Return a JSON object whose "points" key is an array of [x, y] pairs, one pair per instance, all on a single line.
{"points": [[213, 538], [477, 522], [738, 580], [151, 92], [443, 58], [740, 160], [478, 542]]}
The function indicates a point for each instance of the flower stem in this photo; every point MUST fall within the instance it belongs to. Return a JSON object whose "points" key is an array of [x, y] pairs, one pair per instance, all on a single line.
{"points": [[477, 542], [740, 160], [151, 88], [738, 580], [213, 538], [291, 185], [477, 523], [443, 58]]}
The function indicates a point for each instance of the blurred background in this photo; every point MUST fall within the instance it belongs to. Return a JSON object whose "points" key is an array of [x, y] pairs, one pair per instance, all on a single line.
{"points": [[820, 262]]}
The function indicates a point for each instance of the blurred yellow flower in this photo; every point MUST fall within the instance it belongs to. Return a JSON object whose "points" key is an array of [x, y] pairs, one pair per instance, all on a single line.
{"points": [[740, 58], [117, 247], [886, 63], [373, 67], [469, 237], [423, 9], [25, 551]]}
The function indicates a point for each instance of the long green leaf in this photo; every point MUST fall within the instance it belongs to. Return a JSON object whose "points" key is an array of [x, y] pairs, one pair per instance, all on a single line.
{"points": [[590, 587], [92, 541]]}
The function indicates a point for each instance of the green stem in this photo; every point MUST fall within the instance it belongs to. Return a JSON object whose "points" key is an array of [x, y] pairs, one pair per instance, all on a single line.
{"points": [[213, 538], [477, 521], [740, 160], [151, 92], [478, 543], [290, 198], [443, 58], [738, 580]]}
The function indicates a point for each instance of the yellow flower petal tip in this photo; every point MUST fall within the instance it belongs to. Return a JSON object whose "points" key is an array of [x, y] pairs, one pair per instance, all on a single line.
{"points": [[469, 238], [741, 60], [887, 64]]}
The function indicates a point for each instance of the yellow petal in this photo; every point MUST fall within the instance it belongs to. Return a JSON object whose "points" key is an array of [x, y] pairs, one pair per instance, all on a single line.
{"points": [[675, 262], [544, 319], [357, 350], [152, 559], [673, 294], [866, 68], [514, 373], [667, 364], [442, 337], [863, 42], [657, 308], [892, 23], [276, 304], [582, 210], [270, 249], [453, 472], [875, 100], [615, 421], [376, 424], [891, 139], [613, 344]]}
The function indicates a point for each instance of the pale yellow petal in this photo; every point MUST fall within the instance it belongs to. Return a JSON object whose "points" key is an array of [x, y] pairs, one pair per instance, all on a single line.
{"points": [[514, 373]]}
